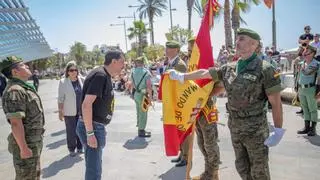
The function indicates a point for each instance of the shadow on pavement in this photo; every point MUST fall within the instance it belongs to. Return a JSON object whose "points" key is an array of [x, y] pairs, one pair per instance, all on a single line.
{"points": [[315, 140], [64, 163], [136, 143], [57, 144], [174, 173], [58, 133]]}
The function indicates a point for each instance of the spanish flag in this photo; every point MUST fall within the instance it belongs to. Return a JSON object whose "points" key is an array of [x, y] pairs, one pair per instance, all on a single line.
{"points": [[268, 3], [180, 100]]}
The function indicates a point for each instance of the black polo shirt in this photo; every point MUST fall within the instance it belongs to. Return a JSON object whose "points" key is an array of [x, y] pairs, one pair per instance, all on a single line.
{"points": [[99, 83]]}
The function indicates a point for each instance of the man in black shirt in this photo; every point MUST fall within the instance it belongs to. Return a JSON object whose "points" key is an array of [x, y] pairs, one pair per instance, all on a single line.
{"points": [[97, 110], [307, 37]]}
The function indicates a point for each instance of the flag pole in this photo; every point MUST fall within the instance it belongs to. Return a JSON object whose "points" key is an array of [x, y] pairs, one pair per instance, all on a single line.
{"points": [[193, 118], [190, 153]]}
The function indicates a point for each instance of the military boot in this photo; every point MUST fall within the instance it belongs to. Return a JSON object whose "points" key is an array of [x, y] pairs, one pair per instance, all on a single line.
{"points": [[312, 131], [215, 175], [306, 128], [175, 160], [143, 133]]}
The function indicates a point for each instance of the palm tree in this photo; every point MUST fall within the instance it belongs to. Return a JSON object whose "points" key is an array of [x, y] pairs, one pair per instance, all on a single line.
{"points": [[227, 23], [238, 7], [138, 31], [151, 9], [190, 4], [199, 6], [78, 50]]}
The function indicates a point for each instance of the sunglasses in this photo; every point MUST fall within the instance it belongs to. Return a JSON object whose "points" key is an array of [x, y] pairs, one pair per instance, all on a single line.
{"points": [[73, 70], [307, 29]]}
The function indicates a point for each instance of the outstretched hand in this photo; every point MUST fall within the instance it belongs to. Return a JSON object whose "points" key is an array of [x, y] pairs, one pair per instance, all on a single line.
{"points": [[175, 75]]}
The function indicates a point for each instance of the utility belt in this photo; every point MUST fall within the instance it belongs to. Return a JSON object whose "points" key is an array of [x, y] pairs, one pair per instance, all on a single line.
{"points": [[306, 85], [243, 113]]}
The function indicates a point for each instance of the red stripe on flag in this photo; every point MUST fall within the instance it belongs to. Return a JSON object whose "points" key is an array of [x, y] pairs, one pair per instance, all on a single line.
{"points": [[204, 42], [171, 139], [160, 88]]}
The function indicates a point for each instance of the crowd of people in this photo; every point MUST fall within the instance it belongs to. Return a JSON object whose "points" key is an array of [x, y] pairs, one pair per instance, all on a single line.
{"points": [[249, 77]]}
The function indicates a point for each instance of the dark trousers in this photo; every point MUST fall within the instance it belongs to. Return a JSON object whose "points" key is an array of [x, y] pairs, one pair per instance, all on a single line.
{"points": [[73, 141]]}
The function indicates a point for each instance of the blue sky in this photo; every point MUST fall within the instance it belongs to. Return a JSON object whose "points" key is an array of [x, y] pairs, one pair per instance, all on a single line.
{"points": [[65, 21]]}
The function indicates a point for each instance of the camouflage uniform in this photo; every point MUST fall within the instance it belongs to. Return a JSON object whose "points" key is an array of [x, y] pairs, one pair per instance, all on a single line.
{"points": [[247, 91], [207, 138], [21, 101]]}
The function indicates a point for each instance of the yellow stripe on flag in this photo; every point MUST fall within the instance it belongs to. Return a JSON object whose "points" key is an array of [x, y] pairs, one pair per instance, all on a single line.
{"points": [[180, 99]]}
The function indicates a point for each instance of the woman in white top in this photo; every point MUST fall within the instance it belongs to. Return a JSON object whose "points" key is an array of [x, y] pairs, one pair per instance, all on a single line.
{"points": [[69, 104]]}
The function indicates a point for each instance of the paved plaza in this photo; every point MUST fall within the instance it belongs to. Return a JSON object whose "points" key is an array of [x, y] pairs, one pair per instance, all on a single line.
{"points": [[127, 157]]}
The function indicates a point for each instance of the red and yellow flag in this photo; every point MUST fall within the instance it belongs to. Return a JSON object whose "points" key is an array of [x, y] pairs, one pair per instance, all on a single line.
{"points": [[268, 3], [180, 100]]}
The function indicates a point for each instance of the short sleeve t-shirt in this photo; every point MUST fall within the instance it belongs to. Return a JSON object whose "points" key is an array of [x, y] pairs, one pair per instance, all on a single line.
{"points": [[99, 83], [306, 36]]}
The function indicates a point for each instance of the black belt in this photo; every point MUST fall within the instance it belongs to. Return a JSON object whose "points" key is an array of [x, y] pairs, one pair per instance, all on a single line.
{"points": [[306, 85]]}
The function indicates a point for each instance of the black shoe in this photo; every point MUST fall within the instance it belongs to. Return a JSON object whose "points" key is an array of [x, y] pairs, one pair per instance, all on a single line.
{"points": [[312, 131], [300, 112], [143, 133], [306, 128], [182, 163], [73, 154], [175, 160]]}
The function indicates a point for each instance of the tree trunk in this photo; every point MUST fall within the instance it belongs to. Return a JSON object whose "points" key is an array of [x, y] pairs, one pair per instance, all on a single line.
{"points": [[189, 6], [140, 45], [227, 24], [235, 20], [151, 30]]}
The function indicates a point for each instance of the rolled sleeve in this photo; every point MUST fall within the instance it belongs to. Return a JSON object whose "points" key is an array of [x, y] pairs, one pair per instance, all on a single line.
{"points": [[215, 73], [272, 82]]}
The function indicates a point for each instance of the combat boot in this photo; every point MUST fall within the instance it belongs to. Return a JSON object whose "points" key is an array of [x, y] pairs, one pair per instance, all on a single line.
{"points": [[215, 175], [143, 133], [312, 131], [306, 128]]}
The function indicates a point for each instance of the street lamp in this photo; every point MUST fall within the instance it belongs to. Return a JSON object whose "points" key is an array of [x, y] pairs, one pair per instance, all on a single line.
{"points": [[171, 9], [134, 12], [127, 17], [125, 32]]}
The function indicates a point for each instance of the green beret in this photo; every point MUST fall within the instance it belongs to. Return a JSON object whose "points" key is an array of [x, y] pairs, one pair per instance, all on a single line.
{"points": [[9, 61], [249, 32], [140, 59], [172, 44], [311, 48], [192, 39]]}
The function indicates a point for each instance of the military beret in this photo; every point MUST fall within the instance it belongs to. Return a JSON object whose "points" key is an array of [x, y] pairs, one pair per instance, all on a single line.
{"points": [[141, 59], [311, 48], [192, 39], [172, 44], [9, 61], [249, 32]]}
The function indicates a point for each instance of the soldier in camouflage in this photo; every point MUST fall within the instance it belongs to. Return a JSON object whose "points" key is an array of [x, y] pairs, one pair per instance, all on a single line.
{"points": [[249, 83], [23, 109], [207, 133]]}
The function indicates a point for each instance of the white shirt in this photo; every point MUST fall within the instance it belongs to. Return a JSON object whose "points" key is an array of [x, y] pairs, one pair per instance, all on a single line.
{"points": [[171, 60]]}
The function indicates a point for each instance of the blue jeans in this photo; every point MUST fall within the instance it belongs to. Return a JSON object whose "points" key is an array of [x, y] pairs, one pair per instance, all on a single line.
{"points": [[93, 156]]}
